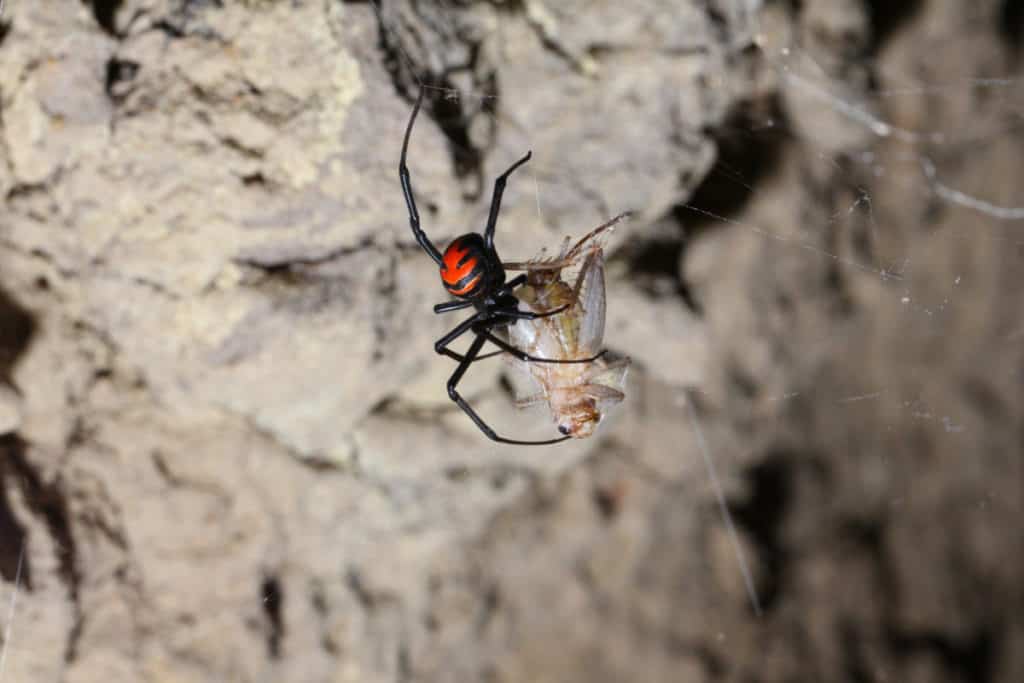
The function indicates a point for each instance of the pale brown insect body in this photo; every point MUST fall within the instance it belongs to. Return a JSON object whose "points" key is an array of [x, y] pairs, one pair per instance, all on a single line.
{"points": [[578, 395]]}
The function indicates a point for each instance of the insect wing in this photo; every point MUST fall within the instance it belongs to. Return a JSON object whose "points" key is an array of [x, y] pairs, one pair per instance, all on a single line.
{"points": [[539, 338], [611, 374], [590, 297]]}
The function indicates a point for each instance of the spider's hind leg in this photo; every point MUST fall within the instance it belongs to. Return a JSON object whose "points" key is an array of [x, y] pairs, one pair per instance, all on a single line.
{"points": [[453, 394], [441, 345], [522, 355]]}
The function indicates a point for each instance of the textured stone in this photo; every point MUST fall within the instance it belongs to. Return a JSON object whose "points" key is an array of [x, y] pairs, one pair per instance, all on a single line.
{"points": [[226, 449]]}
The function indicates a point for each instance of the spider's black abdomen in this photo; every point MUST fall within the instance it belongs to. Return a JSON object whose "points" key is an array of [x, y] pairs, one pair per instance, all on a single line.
{"points": [[469, 269]]}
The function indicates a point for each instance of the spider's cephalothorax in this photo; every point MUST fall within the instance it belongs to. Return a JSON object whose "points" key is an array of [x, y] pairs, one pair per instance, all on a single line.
{"points": [[472, 272]]}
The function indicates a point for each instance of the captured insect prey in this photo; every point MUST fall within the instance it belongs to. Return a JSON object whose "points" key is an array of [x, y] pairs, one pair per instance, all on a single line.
{"points": [[472, 272], [578, 396]]}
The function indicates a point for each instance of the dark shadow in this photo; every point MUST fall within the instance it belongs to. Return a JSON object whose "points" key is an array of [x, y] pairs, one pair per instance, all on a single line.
{"points": [[762, 517], [887, 17], [654, 266], [749, 150], [454, 118], [16, 330], [272, 599], [852, 648], [12, 531], [453, 113], [105, 13], [118, 78], [971, 658], [1011, 24], [750, 146], [48, 503]]}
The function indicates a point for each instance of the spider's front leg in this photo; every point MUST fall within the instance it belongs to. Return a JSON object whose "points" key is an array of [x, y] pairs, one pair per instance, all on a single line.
{"points": [[406, 183], [451, 306], [517, 281]]}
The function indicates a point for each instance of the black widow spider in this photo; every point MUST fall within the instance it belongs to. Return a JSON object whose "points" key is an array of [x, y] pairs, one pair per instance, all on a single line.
{"points": [[472, 271]]}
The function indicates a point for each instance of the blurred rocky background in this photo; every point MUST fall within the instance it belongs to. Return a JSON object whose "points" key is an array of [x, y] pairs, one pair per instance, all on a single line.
{"points": [[227, 453]]}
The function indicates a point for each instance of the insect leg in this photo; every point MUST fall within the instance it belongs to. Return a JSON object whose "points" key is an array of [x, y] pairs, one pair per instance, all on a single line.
{"points": [[528, 401]]}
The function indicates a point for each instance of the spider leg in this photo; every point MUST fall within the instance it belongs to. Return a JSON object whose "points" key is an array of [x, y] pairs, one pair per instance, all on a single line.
{"points": [[410, 202], [513, 283], [499, 189], [525, 315], [441, 346], [453, 394], [452, 306], [482, 331], [530, 315]]}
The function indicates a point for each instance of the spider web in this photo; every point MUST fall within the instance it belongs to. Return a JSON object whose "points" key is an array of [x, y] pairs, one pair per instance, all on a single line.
{"points": [[854, 124]]}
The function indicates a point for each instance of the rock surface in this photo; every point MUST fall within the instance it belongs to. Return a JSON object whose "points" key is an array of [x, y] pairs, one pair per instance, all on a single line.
{"points": [[226, 452]]}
